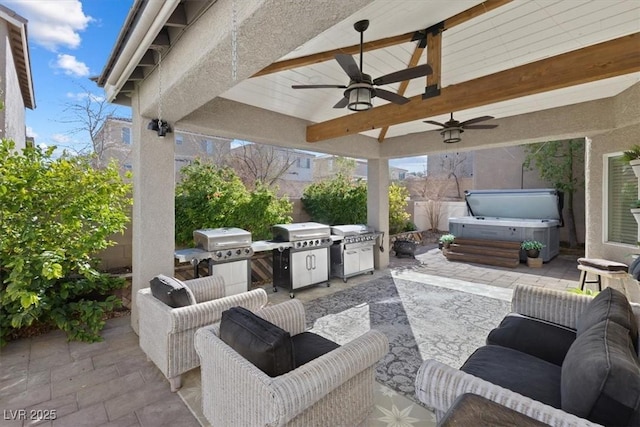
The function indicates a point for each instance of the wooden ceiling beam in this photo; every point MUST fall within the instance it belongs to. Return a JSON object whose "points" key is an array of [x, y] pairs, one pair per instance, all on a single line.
{"points": [[316, 58], [600, 61], [403, 85]]}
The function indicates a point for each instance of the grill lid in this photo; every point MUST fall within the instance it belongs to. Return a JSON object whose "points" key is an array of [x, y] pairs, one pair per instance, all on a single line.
{"points": [[351, 229], [211, 239], [300, 231]]}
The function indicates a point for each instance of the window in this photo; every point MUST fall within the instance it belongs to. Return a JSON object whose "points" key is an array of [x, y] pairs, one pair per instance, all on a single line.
{"points": [[178, 139], [622, 190], [126, 136], [208, 146], [303, 163], [128, 167]]}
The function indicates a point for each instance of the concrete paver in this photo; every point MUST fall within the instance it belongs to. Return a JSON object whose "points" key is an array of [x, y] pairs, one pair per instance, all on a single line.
{"points": [[111, 383]]}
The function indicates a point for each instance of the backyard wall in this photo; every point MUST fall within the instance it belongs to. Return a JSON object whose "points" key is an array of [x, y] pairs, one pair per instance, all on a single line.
{"points": [[421, 213]]}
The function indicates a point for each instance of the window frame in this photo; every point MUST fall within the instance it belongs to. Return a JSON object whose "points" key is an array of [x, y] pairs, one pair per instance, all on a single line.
{"points": [[605, 203]]}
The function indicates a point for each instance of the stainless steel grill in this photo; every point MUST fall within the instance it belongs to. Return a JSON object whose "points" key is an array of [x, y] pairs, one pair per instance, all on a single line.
{"points": [[352, 253], [306, 262], [228, 253]]}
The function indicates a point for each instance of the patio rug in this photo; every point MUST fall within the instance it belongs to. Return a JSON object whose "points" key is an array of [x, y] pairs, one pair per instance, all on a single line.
{"points": [[423, 316]]}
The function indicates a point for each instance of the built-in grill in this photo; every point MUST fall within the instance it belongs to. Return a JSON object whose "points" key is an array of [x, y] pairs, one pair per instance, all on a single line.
{"points": [[352, 252], [228, 252], [305, 261]]}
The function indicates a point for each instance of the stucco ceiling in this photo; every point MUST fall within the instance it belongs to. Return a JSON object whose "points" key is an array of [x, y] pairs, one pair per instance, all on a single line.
{"points": [[511, 35]]}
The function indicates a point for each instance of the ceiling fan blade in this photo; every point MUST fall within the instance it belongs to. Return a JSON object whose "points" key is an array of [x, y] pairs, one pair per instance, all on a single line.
{"points": [[390, 96], [406, 74], [349, 66], [318, 87], [431, 122], [342, 103], [476, 120], [480, 127]]}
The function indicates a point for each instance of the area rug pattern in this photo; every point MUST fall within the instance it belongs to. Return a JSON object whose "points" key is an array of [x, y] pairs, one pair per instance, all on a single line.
{"points": [[421, 320]]}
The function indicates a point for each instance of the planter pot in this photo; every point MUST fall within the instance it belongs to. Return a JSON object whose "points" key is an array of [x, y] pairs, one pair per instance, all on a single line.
{"points": [[636, 214], [635, 165], [404, 248], [533, 253], [534, 262]]}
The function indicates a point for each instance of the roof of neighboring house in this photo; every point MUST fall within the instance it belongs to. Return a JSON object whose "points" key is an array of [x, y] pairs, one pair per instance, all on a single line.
{"points": [[20, 48]]}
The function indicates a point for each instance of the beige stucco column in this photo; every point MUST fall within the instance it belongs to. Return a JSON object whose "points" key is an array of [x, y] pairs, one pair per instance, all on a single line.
{"points": [[378, 205], [153, 208]]}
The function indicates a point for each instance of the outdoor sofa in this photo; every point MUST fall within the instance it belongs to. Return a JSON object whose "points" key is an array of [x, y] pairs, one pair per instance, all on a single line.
{"points": [[561, 358]]}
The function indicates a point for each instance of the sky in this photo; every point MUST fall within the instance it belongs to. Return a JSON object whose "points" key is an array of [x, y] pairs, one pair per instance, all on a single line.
{"points": [[70, 42]]}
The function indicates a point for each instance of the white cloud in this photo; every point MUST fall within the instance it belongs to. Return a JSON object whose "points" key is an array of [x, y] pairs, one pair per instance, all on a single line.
{"points": [[59, 138], [71, 66], [79, 96], [53, 23]]}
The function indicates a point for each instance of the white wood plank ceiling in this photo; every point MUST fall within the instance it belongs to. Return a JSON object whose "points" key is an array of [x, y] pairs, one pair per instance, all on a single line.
{"points": [[517, 33]]}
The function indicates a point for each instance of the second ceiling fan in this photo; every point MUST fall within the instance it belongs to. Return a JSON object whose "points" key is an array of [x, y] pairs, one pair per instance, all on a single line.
{"points": [[452, 129], [360, 90]]}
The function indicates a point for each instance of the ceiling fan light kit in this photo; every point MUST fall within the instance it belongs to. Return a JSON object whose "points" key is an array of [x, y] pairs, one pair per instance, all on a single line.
{"points": [[359, 95], [451, 135]]}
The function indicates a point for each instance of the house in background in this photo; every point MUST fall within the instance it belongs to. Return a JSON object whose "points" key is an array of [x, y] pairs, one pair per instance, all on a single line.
{"points": [[16, 83], [114, 142], [327, 166]]}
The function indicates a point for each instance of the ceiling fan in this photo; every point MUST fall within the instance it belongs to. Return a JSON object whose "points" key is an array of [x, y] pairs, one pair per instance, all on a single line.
{"points": [[360, 90], [452, 129]]}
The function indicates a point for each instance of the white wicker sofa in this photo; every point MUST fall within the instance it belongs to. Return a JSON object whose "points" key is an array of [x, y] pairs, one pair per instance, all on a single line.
{"points": [[167, 334], [438, 385], [334, 389]]}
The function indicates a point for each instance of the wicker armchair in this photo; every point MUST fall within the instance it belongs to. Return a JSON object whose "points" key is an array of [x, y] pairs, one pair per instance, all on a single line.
{"points": [[335, 389], [438, 385], [166, 334]]}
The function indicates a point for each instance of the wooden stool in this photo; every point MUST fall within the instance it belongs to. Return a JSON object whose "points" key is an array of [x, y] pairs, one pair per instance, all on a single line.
{"points": [[602, 268]]}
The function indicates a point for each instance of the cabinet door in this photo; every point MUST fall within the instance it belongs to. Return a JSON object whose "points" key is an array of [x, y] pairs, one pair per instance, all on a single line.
{"points": [[235, 274], [319, 265], [301, 264], [366, 258], [351, 261]]}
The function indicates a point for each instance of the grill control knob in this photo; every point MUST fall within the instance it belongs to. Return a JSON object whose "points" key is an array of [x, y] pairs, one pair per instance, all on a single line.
{"points": [[304, 244], [247, 250], [229, 253], [238, 252], [317, 242], [298, 244], [218, 254]]}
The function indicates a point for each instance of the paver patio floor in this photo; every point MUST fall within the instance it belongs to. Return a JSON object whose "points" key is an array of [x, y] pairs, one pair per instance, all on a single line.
{"points": [[112, 384]]}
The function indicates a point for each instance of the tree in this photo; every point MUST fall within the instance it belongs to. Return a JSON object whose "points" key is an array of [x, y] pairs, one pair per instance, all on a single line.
{"points": [[557, 163], [262, 163], [211, 197], [88, 115], [456, 166], [55, 215]]}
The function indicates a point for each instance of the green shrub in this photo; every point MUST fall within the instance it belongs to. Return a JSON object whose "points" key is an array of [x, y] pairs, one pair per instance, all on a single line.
{"points": [[341, 200], [54, 215], [213, 197]]}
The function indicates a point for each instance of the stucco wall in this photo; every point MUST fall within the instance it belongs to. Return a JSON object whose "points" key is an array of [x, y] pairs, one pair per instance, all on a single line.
{"points": [[12, 116]]}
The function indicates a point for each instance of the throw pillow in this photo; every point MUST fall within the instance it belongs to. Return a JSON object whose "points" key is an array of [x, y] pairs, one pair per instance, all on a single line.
{"points": [[609, 304], [600, 378], [259, 341], [171, 291]]}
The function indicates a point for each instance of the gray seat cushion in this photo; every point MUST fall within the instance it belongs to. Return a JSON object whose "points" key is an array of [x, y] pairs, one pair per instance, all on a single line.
{"points": [[535, 337], [603, 264], [516, 371], [613, 305], [601, 376]]}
